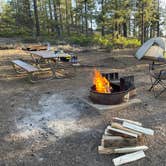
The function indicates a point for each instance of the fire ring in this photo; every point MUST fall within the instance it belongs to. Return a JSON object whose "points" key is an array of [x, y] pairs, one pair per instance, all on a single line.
{"points": [[116, 97], [105, 91]]}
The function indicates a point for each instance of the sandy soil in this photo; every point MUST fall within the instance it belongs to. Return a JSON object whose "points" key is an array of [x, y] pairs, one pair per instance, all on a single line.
{"points": [[46, 124]]}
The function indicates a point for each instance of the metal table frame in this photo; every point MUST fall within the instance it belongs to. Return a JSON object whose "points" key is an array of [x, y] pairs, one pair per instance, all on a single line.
{"points": [[49, 58]]}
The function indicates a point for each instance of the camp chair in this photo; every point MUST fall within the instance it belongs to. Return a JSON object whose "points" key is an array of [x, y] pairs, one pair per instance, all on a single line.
{"points": [[157, 77]]}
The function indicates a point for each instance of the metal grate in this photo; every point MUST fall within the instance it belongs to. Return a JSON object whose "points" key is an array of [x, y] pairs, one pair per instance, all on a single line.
{"points": [[127, 82], [111, 76]]}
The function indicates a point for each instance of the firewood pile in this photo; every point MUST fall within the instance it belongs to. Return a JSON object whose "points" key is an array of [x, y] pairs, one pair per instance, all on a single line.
{"points": [[37, 47], [124, 136]]}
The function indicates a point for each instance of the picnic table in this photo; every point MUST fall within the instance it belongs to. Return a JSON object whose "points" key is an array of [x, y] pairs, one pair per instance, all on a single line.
{"points": [[47, 55], [51, 59], [44, 60]]}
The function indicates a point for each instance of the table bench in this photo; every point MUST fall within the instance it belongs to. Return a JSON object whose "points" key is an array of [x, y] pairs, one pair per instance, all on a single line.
{"points": [[23, 67]]}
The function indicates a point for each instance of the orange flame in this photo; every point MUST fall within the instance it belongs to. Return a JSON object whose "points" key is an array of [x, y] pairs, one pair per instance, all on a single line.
{"points": [[101, 83]]}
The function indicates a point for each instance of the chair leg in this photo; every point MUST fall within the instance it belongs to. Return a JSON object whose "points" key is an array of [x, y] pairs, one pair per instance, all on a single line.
{"points": [[160, 93], [164, 87], [153, 84], [160, 82]]}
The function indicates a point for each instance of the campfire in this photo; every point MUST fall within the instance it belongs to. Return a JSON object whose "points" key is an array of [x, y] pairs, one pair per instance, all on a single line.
{"points": [[102, 85], [105, 91]]}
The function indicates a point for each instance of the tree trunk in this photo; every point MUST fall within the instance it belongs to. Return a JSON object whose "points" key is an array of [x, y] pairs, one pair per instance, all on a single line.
{"points": [[67, 21], [56, 19], [102, 26], [151, 31], [125, 29], [51, 17], [142, 24], [82, 21], [79, 18], [86, 19], [91, 21], [36, 18], [60, 15], [28, 19], [46, 17], [158, 21]]}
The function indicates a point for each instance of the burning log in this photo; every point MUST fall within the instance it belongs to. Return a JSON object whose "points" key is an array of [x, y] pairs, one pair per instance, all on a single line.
{"points": [[102, 85]]}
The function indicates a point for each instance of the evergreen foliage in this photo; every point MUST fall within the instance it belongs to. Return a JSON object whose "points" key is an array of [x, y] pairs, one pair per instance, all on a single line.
{"points": [[120, 23]]}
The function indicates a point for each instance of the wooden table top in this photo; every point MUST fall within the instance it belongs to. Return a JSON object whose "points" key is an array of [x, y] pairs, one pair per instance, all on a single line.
{"points": [[49, 54]]}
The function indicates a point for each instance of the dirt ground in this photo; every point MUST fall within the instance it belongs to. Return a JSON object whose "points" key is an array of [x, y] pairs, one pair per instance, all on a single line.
{"points": [[47, 124]]}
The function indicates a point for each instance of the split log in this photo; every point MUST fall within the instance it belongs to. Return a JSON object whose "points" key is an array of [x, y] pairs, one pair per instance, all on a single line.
{"points": [[128, 158], [119, 126], [103, 150], [130, 149], [106, 132], [36, 47], [116, 119], [118, 132], [138, 128], [117, 141]]}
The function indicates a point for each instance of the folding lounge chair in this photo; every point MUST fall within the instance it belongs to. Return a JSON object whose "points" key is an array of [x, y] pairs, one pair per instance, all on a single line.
{"points": [[158, 78]]}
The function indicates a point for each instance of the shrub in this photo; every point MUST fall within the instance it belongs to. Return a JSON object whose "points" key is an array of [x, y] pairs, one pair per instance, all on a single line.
{"points": [[103, 42], [133, 43], [81, 40], [109, 41], [14, 32]]}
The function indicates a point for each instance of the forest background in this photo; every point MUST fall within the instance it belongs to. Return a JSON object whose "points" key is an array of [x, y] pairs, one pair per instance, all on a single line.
{"points": [[107, 23]]}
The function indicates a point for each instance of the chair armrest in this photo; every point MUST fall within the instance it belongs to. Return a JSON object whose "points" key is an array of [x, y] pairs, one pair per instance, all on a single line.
{"points": [[155, 65], [161, 72]]}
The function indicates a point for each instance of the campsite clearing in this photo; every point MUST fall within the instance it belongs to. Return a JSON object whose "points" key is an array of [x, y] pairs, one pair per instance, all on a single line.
{"points": [[47, 123]]}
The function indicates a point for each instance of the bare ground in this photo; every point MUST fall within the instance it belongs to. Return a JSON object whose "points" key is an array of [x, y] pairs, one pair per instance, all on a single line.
{"points": [[46, 124]]}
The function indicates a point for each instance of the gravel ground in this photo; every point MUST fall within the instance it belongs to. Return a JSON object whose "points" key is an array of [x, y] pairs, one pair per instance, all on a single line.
{"points": [[46, 124]]}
